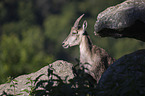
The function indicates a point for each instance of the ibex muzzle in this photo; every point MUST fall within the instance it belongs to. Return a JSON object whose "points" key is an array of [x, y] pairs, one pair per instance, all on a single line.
{"points": [[74, 38]]}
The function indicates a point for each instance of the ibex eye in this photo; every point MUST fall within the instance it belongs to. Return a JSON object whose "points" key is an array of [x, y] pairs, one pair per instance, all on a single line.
{"points": [[74, 32]]}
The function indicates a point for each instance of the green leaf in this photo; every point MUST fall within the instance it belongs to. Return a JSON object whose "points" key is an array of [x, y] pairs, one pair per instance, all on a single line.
{"points": [[12, 85], [30, 86], [25, 90], [15, 80], [31, 81], [16, 83], [20, 94], [27, 83], [29, 78]]}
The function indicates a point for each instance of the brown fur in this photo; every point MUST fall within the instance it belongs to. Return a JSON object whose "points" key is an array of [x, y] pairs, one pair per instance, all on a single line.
{"points": [[97, 58]]}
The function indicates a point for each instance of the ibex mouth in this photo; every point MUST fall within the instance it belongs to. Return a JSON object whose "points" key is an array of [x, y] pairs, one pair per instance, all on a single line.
{"points": [[65, 46]]}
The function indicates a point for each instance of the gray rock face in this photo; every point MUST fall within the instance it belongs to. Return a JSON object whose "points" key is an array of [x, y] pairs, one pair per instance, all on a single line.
{"points": [[62, 68], [123, 20], [125, 77]]}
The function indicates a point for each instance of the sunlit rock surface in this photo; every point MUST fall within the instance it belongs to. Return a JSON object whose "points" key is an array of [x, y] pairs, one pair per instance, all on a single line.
{"points": [[123, 20], [61, 68]]}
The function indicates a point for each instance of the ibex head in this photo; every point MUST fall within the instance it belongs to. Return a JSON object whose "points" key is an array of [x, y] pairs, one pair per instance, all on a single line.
{"points": [[75, 36]]}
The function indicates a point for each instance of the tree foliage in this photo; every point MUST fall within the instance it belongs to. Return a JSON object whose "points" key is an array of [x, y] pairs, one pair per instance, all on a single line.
{"points": [[31, 33]]}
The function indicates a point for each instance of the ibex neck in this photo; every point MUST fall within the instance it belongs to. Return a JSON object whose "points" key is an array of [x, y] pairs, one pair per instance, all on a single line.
{"points": [[85, 49]]}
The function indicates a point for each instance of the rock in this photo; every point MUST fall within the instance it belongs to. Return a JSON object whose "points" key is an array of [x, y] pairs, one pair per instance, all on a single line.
{"points": [[61, 68], [123, 20], [125, 77]]}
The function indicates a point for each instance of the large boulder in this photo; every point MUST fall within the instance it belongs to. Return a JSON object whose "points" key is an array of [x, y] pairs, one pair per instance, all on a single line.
{"points": [[123, 20], [125, 77], [61, 70]]}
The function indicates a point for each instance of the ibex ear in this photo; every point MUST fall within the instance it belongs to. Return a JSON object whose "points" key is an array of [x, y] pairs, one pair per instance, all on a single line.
{"points": [[84, 25]]}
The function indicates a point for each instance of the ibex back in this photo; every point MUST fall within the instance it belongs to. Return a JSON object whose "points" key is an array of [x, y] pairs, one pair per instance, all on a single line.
{"points": [[97, 58]]}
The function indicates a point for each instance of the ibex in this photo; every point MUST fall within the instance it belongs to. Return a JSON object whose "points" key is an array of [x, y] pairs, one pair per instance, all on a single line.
{"points": [[97, 58]]}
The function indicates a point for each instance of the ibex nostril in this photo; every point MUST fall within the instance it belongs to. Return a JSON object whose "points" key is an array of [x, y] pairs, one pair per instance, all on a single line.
{"points": [[63, 43]]}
